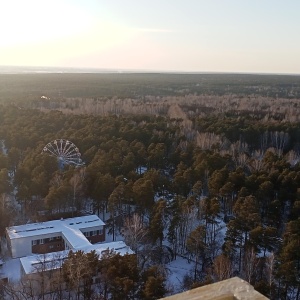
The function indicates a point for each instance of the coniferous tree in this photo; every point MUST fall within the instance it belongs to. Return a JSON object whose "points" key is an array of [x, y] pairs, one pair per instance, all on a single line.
{"points": [[79, 270], [153, 284], [288, 269], [156, 226], [196, 245], [118, 276]]}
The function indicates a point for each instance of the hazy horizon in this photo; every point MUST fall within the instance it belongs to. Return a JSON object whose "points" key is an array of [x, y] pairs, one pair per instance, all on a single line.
{"points": [[44, 69], [195, 36]]}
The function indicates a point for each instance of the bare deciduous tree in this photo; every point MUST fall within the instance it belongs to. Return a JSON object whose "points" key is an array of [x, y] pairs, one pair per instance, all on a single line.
{"points": [[77, 185], [222, 267], [270, 265], [134, 231], [250, 264], [279, 141]]}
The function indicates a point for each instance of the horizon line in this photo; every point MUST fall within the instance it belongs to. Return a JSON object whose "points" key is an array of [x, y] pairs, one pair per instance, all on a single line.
{"points": [[91, 70]]}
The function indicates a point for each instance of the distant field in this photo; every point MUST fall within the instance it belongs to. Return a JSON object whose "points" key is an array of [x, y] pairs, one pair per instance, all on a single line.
{"points": [[22, 87]]}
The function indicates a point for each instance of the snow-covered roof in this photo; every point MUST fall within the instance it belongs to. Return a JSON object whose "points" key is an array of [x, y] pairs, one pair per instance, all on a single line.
{"points": [[67, 227], [54, 260], [75, 237]]}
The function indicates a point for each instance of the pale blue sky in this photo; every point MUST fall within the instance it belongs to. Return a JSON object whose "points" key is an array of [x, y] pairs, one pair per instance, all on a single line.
{"points": [[157, 35]]}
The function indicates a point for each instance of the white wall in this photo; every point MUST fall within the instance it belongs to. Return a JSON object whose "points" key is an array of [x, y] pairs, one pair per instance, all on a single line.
{"points": [[22, 246]]}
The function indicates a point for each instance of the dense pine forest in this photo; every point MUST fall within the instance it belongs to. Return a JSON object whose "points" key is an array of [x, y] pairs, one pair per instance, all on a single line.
{"points": [[204, 167]]}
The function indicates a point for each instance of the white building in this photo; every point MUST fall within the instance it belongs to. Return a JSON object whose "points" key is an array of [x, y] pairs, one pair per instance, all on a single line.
{"points": [[46, 262], [54, 236]]}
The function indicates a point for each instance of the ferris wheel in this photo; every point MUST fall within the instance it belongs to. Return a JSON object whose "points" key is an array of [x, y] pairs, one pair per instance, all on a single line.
{"points": [[65, 151]]}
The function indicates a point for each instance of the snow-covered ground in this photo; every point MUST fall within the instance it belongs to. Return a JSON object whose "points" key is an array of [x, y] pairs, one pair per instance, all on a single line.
{"points": [[177, 269], [11, 269]]}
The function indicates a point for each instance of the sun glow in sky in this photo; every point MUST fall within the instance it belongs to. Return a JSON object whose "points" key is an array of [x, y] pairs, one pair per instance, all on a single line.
{"points": [[157, 35]]}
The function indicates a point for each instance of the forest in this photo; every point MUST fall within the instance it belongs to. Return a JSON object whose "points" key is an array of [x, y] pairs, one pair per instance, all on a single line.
{"points": [[206, 168]]}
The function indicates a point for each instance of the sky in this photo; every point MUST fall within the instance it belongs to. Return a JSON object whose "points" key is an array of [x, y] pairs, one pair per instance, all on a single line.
{"points": [[248, 36]]}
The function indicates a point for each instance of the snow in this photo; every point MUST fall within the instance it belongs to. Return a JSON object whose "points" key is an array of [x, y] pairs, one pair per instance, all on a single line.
{"points": [[141, 170], [75, 237], [64, 226], [11, 269], [177, 269], [49, 261]]}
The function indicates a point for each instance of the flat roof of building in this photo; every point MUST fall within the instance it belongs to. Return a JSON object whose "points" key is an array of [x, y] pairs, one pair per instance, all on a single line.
{"points": [[54, 260], [63, 226]]}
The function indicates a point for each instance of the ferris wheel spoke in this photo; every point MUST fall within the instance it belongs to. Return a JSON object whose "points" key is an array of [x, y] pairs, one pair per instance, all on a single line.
{"points": [[53, 153], [50, 147], [70, 160], [55, 147], [66, 144], [53, 150], [72, 151], [69, 148], [65, 151], [61, 144], [73, 156]]}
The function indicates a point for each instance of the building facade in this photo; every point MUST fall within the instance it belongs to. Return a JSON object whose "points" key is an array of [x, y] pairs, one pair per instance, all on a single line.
{"points": [[54, 236]]}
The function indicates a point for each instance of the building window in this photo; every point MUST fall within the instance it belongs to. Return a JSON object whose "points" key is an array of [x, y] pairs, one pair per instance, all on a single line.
{"points": [[34, 242], [41, 241]]}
